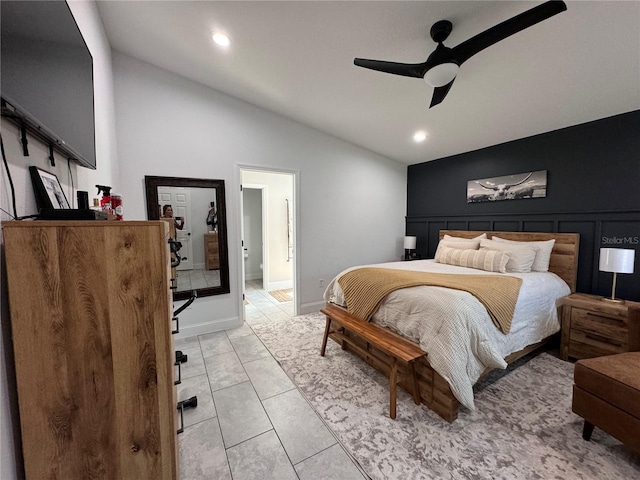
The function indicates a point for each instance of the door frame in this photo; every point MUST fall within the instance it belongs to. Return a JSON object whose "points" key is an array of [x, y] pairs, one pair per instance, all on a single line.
{"points": [[296, 237]]}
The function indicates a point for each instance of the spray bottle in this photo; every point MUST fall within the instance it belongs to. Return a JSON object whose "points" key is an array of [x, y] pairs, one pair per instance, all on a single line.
{"points": [[105, 201]]}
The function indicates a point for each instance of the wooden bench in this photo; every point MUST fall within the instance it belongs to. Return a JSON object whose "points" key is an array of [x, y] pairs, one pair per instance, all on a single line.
{"points": [[395, 346]]}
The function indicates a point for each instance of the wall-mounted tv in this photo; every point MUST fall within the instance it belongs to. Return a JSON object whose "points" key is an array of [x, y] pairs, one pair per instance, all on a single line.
{"points": [[47, 77]]}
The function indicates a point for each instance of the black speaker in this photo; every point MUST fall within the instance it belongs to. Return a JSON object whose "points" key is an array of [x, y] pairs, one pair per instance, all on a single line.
{"points": [[83, 200]]}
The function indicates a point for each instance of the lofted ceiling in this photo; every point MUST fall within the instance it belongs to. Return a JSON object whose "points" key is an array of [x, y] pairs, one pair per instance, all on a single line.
{"points": [[295, 58]]}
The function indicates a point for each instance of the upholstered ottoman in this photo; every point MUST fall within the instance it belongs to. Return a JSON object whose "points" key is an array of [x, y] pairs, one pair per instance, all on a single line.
{"points": [[606, 393]]}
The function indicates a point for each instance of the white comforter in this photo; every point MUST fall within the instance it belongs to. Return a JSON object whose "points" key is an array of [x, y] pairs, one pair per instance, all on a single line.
{"points": [[455, 328]]}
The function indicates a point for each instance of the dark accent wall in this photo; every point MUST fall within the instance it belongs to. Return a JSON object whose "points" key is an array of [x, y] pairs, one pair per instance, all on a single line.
{"points": [[593, 188]]}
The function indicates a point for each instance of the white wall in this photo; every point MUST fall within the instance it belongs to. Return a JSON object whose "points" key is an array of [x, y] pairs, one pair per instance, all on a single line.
{"points": [[90, 24], [351, 203]]}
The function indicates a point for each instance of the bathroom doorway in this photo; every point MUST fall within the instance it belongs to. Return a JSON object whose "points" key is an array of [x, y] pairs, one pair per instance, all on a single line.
{"points": [[268, 230]]}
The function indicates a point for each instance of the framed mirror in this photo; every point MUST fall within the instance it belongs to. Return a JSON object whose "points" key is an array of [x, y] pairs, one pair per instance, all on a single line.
{"points": [[196, 208]]}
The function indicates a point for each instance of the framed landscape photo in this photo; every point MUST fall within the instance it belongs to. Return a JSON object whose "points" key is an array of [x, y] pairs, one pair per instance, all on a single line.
{"points": [[48, 191]]}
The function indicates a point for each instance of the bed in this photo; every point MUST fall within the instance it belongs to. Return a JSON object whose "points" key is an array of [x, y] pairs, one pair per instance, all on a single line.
{"points": [[455, 329]]}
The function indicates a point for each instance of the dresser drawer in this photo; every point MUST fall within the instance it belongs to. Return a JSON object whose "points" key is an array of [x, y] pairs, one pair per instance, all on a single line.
{"points": [[586, 345], [603, 326], [594, 334]]}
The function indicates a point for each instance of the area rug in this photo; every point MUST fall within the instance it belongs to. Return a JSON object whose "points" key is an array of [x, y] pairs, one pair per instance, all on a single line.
{"points": [[282, 295], [522, 428]]}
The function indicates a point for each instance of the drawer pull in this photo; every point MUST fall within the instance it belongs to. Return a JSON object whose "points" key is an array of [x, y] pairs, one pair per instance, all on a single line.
{"points": [[179, 381], [591, 314], [177, 330], [598, 338]]}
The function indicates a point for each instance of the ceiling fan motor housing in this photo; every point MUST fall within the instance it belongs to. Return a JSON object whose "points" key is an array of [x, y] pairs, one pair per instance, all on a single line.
{"points": [[441, 30]]}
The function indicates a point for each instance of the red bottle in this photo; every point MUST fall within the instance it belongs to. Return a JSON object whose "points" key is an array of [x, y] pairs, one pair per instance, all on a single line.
{"points": [[105, 201], [116, 205]]}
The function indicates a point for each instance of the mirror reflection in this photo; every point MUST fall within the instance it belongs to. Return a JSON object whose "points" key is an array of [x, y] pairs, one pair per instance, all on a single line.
{"points": [[195, 210]]}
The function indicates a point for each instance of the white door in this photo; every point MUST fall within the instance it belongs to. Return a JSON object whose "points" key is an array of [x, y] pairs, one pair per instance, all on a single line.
{"points": [[179, 199]]}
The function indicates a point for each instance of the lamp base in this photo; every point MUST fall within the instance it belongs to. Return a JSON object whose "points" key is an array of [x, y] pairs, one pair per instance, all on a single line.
{"points": [[612, 300]]}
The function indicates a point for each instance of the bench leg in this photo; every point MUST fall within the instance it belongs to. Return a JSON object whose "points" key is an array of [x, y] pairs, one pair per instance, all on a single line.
{"points": [[416, 387], [587, 430], [393, 377], [326, 335]]}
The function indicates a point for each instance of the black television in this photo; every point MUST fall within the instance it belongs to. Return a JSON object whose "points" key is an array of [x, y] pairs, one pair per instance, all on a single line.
{"points": [[46, 80]]}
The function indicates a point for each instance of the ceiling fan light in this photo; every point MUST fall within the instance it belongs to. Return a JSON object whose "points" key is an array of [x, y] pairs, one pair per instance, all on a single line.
{"points": [[221, 39], [420, 136], [442, 74]]}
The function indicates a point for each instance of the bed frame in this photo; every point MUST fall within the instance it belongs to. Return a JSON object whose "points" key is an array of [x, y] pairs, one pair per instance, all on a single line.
{"points": [[435, 392]]}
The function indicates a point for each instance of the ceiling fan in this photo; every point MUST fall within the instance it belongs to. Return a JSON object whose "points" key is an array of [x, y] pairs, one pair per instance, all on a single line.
{"points": [[442, 65]]}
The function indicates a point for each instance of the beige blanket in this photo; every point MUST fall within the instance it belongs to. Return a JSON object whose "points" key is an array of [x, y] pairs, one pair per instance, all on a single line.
{"points": [[365, 288]]}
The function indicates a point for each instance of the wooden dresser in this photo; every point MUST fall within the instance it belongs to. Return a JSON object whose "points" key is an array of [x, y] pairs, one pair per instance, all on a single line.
{"points": [[91, 326], [592, 327], [211, 251]]}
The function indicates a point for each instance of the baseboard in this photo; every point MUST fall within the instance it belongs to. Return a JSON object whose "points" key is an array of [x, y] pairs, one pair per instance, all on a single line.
{"points": [[198, 266], [313, 307], [253, 276], [208, 327], [280, 285]]}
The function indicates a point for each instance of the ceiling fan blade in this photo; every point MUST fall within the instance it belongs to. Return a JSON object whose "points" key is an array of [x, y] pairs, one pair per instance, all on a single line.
{"points": [[439, 93], [404, 69], [499, 32]]}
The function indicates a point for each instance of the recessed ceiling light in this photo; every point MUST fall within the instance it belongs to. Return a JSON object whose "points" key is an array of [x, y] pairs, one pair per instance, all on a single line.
{"points": [[420, 136], [221, 39]]}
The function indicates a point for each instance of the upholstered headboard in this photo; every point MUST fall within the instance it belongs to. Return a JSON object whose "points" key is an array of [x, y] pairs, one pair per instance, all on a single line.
{"points": [[564, 256]]}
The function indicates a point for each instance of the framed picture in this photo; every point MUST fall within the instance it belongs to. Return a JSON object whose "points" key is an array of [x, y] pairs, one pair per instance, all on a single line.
{"points": [[508, 187], [48, 190]]}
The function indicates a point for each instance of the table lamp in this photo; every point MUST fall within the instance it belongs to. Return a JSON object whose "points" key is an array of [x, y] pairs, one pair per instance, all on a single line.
{"points": [[616, 260], [409, 246]]}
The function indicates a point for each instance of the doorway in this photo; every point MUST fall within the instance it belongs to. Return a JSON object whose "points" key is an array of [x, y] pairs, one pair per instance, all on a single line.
{"points": [[268, 235]]}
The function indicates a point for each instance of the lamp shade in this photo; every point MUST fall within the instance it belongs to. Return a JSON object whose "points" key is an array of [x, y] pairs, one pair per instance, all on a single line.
{"points": [[410, 243], [618, 260]]}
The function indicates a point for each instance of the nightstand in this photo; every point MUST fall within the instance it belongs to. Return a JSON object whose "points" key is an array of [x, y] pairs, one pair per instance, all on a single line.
{"points": [[592, 327]]}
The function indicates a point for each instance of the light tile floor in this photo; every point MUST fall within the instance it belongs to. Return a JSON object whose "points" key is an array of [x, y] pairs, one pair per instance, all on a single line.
{"points": [[251, 421], [197, 278]]}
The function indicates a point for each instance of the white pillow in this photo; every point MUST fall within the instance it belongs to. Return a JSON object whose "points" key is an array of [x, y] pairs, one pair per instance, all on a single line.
{"points": [[463, 243], [543, 252], [489, 260], [521, 257]]}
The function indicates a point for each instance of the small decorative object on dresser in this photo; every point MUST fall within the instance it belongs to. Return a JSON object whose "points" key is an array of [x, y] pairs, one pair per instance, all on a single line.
{"points": [[593, 328]]}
